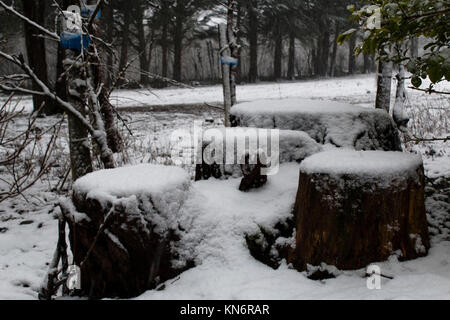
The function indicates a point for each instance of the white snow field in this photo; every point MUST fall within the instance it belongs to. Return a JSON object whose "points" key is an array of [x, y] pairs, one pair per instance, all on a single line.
{"points": [[219, 215]]}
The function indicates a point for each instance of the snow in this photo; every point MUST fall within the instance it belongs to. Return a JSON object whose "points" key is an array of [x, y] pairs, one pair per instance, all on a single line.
{"points": [[226, 269], [218, 216], [292, 145], [292, 107], [364, 164], [341, 124], [160, 190], [132, 180]]}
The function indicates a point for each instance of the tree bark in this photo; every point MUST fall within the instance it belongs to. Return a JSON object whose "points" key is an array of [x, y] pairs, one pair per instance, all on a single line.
{"points": [[351, 55], [225, 51], [324, 52], [36, 52], [178, 35], [80, 151], [348, 222], [384, 84], [291, 59], [332, 70], [414, 47], [278, 55], [125, 40], [253, 39]]}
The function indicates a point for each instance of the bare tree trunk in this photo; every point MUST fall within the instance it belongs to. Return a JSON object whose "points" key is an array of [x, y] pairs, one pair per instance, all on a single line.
{"points": [[238, 39], [278, 55], [366, 63], [80, 151], [114, 139], [253, 39], [234, 49], [398, 112], [225, 51], [109, 35], [331, 71], [178, 43], [36, 52], [125, 40], [384, 83], [351, 55], [324, 52], [291, 59], [414, 47]]}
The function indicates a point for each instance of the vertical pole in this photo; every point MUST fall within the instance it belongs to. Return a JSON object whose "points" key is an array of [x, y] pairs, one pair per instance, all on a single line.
{"points": [[225, 52]]}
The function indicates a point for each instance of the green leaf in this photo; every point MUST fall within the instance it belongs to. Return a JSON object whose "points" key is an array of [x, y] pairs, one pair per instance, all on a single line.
{"points": [[416, 81], [435, 73]]}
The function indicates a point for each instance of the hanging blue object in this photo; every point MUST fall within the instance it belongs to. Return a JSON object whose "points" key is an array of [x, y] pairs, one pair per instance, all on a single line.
{"points": [[88, 10], [233, 62], [73, 41]]}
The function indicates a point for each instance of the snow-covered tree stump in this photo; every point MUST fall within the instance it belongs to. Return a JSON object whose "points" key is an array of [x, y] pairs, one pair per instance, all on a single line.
{"points": [[222, 157], [122, 226], [358, 207], [327, 122]]}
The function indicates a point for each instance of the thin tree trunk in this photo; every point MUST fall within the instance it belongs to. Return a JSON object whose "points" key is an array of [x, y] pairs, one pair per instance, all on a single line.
{"points": [[332, 70], [414, 47], [80, 152], [253, 39], [36, 52], [238, 39], [324, 52], [366, 63], [125, 41], [109, 35], [351, 55], [291, 59], [225, 51], [178, 44], [278, 55], [384, 83]]}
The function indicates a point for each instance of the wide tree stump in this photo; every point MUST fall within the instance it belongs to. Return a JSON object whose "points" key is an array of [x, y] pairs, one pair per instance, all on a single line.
{"points": [[327, 122], [219, 144], [358, 207], [122, 227]]}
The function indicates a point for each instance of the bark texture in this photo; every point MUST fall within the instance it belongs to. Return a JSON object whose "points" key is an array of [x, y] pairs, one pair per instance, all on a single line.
{"points": [[349, 224], [384, 84], [120, 245]]}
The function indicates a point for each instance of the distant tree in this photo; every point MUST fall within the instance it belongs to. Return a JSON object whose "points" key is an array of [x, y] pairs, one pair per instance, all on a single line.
{"points": [[36, 50], [388, 23]]}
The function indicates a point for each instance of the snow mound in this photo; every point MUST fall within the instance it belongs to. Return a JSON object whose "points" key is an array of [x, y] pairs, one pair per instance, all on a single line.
{"points": [[386, 166], [126, 181], [342, 125]]}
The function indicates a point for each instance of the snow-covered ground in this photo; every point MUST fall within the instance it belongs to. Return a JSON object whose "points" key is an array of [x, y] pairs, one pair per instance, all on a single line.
{"points": [[222, 215], [358, 90]]}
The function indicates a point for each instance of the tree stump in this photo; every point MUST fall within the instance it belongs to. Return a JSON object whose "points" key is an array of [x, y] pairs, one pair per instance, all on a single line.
{"points": [[219, 144], [327, 122], [358, 207], [122, 224]]}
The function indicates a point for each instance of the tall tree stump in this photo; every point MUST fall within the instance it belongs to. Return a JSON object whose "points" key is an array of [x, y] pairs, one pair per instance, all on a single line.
{"points": [[358, 207], [123, 224]]}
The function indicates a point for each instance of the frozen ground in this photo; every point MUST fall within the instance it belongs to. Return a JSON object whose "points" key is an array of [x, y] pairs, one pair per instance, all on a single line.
{"points": [[222, 214]]}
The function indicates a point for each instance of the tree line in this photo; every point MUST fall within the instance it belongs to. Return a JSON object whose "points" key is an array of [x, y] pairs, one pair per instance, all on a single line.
{"points": [[284, 39]]}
